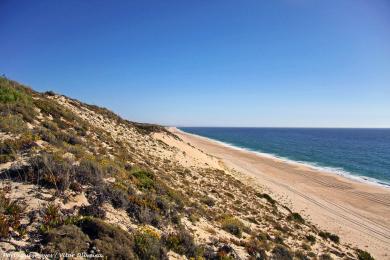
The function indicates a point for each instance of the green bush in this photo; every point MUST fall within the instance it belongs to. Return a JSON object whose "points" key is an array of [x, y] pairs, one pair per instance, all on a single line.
{"points": [[145, 180], [15, 99], [9, 95]]}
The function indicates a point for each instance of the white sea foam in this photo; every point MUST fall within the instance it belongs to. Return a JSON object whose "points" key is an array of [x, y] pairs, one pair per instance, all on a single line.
{"points": [[311, 165]]}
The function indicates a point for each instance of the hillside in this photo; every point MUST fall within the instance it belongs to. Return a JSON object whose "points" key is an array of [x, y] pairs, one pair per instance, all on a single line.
{"points": [[78, 179]]}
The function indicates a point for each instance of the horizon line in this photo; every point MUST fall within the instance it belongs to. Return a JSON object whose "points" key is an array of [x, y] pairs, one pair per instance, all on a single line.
{"points": [[301, 127]]}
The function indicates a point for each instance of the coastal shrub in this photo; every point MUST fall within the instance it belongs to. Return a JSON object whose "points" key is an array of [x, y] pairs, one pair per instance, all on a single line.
{"points": [[295, 217], [90, 171], [363, 255], [147, 245], [118, 198], [92, 210], [49, 107], [208, 201], [256, 248], [334, 238], [15, 101], [311, 238], [280, 252], [145, 180], [66, 239], [233, 226], [278, 240], [267, 197], [46, 135], [325, 257], [144, 210], [51, 171], [9, 94], [300, 255], [49, 93], [51, 125], [181, 242], [110, 240], [11, 147], [12, 124], [306, 247], [330, 236]]}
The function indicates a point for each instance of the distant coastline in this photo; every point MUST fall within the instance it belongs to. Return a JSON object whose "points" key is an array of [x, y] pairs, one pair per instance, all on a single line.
{"points": [[312, 165]]}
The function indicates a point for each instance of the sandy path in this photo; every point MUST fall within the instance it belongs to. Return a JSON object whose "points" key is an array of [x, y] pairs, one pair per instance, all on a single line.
{"points": [[358, 212]]}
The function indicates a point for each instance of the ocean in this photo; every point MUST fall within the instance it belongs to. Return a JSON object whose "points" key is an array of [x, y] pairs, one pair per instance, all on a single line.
{"points": [[362, 154]]}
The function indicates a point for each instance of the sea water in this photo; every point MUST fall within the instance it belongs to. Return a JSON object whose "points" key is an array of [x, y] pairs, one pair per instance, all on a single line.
{"points": [[362, 154]]}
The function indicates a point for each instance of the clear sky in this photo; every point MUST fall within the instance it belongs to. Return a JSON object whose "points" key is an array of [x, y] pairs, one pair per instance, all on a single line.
{"points": [[303, 63]]}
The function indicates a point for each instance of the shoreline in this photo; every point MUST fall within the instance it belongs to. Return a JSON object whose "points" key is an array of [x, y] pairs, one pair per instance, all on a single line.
{"points": [[313, 166], [359, 212]]}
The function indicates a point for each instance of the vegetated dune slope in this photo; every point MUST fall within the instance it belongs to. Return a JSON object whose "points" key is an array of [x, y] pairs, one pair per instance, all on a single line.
{"points": [[76, 178]]}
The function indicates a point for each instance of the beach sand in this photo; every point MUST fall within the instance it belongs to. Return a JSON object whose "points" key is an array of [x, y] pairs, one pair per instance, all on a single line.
{"points": [[358, 212]]}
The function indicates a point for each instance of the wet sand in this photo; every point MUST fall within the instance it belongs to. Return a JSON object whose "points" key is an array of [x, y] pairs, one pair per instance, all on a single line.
{"points": [[358, 212]]}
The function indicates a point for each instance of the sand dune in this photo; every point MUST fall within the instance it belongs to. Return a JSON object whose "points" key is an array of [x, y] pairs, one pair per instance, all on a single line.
{"points": [[358, 212]]}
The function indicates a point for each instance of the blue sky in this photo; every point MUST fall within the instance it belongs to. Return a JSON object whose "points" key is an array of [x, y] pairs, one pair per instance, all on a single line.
{"points": [[208, 63]]}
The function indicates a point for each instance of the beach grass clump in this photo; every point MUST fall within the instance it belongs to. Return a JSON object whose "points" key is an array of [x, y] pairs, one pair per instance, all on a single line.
{"points": [[295, 217]]}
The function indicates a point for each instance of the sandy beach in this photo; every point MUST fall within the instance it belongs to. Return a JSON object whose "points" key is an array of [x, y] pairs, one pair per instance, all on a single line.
{"points": [[358, 212]]}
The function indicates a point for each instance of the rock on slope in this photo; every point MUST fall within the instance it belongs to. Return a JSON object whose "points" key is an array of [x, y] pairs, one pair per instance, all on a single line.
{"points": [[80, 180]]}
